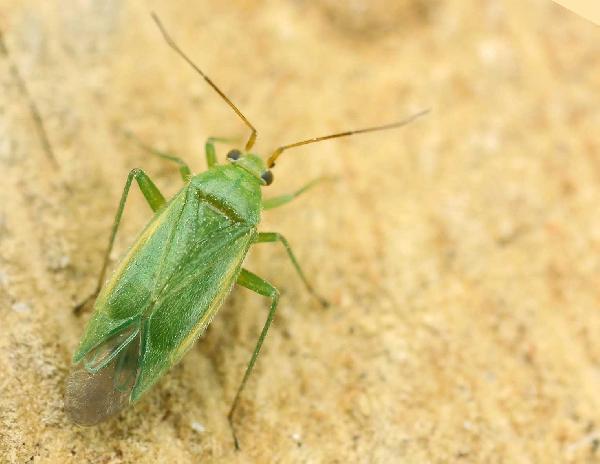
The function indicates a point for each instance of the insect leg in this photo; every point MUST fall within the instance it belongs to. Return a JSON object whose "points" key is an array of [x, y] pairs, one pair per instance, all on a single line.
{"points": [[154, 198], [262, 287], [211, 153], [269, 237], [276, 202], [184, 169]]}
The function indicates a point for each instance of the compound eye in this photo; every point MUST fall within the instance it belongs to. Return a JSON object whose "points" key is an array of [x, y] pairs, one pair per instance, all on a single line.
{"points": [[267, 176], [234, 155]]}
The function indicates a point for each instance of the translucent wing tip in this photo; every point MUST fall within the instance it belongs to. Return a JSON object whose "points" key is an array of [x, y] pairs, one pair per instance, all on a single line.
{"points": [[92, 396]]}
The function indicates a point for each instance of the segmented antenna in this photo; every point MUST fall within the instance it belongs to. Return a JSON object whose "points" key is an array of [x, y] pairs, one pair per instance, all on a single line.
{"points": [[271, 160], [175, 47], [39, 123]]}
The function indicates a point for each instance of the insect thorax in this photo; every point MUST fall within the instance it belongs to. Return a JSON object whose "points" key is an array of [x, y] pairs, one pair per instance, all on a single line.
{"points": [[231, 190]]}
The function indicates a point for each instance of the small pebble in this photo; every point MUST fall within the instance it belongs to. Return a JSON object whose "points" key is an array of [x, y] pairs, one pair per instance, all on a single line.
{"points": [[198, 427], [21, 307]]}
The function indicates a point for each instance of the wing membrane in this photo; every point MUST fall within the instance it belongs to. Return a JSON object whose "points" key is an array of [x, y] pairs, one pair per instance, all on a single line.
{"points": [[100, 385]]}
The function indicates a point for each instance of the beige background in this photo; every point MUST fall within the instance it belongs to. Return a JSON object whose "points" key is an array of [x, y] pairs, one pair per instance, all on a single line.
{"points": [[461, 254], [588, 9]]}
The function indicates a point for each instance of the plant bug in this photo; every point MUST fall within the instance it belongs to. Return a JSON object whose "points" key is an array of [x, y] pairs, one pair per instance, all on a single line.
{"points": [[176, 275]]}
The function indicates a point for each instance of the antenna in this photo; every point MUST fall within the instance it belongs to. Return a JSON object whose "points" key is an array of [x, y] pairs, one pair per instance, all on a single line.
{"points": [[175, 47], [404, 122]]}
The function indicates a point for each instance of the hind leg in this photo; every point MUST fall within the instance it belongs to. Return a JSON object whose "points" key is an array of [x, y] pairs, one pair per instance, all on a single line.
{"points": [[156, 201]]}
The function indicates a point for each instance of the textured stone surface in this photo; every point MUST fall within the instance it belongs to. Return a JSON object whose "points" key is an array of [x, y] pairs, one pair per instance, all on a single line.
{"points": [[461, 254]]}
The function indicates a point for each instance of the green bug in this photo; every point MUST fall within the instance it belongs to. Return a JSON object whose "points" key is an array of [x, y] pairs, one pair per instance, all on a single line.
{"points": [[176, 275]]}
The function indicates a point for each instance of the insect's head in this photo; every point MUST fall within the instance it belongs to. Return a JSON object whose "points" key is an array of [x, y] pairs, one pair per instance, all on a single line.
{"points": [[254, 164]]}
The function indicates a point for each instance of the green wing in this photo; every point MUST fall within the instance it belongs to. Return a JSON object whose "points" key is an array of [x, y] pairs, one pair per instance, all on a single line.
{"points": [[128, 292], [170, 284], [199, 269], [101, 384]]}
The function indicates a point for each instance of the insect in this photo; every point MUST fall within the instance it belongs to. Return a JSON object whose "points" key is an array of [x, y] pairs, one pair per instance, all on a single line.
{"points": [[176, 275]]}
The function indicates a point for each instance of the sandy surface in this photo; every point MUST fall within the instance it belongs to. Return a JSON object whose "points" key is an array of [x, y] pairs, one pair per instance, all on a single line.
{"points": [[461, 255]]}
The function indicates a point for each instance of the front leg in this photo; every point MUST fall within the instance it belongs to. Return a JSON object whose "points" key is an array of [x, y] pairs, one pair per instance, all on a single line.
{"points": [[276, 202], [211, 153]]}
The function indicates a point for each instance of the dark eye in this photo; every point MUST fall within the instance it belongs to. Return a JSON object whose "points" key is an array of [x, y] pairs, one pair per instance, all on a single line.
{"points": [[267, 176], [234, 155]]}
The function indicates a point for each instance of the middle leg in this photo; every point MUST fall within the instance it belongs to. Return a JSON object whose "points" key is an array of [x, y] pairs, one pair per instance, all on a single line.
{"points": [[270, 237], [184, 169]]}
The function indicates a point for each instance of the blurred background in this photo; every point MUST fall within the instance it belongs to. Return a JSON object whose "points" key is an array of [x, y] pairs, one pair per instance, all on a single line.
{"points": [[461, 254]]}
